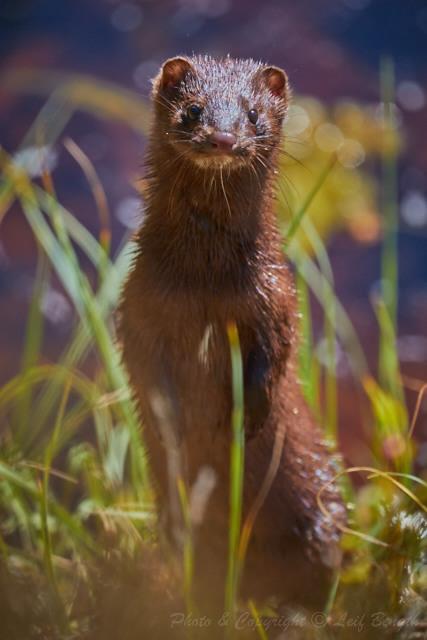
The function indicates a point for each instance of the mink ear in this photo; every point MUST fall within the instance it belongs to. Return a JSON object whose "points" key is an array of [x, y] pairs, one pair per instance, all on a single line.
{"points": [[172, 73], [276, 81]]}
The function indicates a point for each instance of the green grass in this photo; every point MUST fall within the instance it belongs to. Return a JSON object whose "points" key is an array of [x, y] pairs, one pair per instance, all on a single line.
{"points": [[78, 524], [237, 453]]}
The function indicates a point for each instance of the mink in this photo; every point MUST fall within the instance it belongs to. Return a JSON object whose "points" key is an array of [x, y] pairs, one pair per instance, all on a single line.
{"points": [[209, 253]]}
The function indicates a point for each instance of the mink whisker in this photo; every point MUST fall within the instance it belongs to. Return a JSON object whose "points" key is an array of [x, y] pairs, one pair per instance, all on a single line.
{"points": [[225, 194]]}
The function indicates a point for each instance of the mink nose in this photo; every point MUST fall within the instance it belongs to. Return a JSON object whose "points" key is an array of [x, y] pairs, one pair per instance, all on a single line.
{"points": [[223, 141]]}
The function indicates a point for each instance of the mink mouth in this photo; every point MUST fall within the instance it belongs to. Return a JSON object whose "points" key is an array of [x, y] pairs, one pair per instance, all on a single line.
{"points": [[205, 154], [210, 157], [217, 160]]}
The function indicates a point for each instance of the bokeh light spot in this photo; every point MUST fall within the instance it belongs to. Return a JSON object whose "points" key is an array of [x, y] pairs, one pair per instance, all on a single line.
{"points": [[126, 17], [414, 208], [411, 95], [328, 137], [351, 154]]}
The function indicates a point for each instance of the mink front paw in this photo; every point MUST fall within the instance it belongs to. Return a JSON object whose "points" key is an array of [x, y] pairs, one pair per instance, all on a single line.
{"points": [[257, 392]]}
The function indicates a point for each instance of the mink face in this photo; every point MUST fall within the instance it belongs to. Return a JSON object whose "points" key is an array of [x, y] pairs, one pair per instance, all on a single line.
{"points": [[217, 113]]}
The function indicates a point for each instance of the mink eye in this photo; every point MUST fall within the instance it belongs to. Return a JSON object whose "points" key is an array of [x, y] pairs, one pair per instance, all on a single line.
{"points": [[253, 116], [194, 112]]}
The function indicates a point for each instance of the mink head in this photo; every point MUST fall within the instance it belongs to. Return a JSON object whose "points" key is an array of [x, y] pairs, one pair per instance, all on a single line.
{"points": [[223, 112]]}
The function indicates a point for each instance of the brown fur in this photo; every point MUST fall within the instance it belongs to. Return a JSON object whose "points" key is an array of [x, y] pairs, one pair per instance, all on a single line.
{"points": [[209, 252]]}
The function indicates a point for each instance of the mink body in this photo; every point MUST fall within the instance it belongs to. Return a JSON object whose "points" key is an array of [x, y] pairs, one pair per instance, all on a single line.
{"points": [[209, 252]]}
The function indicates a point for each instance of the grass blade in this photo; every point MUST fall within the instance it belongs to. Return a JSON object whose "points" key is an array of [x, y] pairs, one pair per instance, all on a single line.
{"points": [[389, 258], [236, 469], [296, 220], [33, 338]]}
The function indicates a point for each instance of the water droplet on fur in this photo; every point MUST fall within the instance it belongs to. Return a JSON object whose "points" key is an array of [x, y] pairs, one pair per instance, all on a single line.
{"points": [[306, 503], [335, 507], [322, 475]]}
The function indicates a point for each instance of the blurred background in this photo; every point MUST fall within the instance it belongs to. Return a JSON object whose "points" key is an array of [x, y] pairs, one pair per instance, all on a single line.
{"points": [[331, 50]]}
